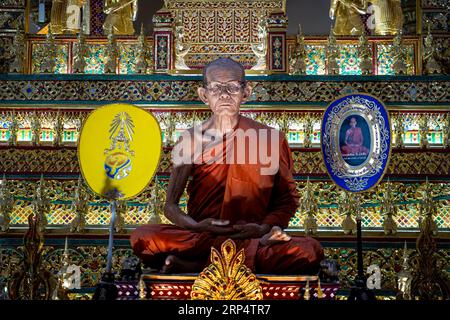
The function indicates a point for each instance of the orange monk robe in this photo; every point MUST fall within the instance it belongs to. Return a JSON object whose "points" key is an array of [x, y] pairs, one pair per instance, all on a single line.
{"points": [[241, 194]]}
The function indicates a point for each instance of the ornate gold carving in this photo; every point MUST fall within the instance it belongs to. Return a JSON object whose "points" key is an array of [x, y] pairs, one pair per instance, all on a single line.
{"points": [[18, 52], [446, 132], [227, 277], [112, 52], [428, 282], [141, 59], [308, 206], [13, 129], [79, 61], [41, 205], [260, 49], [36, 130], [81, 207], [119, 223], [404, 278], [430, 51], [389, 210], [399, 54], [349, 206], [399, 129], [6, 205], [58, 129], [181, 48], [49, 63], [332, 54], [32, 281], [297, 62], [156, 203], [365, 55], [423, 131]]}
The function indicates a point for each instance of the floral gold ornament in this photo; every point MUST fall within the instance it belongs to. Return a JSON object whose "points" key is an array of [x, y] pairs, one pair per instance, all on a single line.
{"points": [[423, 131], [227, 277], [431, 66]]}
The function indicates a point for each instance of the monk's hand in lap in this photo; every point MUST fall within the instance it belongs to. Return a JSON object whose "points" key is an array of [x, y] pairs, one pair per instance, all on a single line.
{"points": [[249, 231], [276, 235], [216, 226]]}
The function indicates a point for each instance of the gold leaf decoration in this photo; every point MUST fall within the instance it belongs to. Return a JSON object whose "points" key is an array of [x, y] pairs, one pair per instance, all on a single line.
{"points": [[227, 277]]}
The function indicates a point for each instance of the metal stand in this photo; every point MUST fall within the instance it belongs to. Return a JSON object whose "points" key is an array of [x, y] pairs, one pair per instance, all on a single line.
{"points": [[106, 289], [359, 291]]}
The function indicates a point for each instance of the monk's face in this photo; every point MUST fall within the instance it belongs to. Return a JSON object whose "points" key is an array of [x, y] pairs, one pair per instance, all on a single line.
{"points": [[352, 122], [224, 92]]}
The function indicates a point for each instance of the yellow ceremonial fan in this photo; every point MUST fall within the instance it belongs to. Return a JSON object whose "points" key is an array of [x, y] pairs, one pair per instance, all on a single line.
{"points": [[119, 150]]}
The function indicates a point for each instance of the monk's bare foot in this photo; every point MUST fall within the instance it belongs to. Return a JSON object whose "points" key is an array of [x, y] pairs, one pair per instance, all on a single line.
{"points": [[173, 264]]}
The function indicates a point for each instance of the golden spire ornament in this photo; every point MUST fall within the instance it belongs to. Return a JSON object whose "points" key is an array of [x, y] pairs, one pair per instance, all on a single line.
{"points": [[404, 278], [399, 55], [308, 131], [141, 61], [260, 49], [58, 130], [18, 52], [365, 55], [6, 205], [155, 205], [80, 205], [41, 204], [423, 131], [13, 130], [36, 130], [332, 54], [389, 210], [298, 60], [431, 66], [79, 61], [399, 130], [308, 206], [49, 63], [349, 206], [227, 277], [111, 54], [181, 48]]}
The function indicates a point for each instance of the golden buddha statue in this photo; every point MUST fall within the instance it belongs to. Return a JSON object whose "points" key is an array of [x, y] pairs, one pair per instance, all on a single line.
{"points": [[347, 14], [388, 16], [120, 15], [65, 16]]}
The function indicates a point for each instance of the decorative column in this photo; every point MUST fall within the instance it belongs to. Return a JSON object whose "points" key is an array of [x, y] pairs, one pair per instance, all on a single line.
{"points": [[277, 26], [163, 40]]}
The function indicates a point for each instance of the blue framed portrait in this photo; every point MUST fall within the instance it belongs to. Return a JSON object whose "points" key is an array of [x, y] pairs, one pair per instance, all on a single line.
{"points": [[356, 141]]}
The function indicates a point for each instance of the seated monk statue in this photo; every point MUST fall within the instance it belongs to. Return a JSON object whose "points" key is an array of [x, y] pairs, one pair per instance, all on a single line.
{"points": [[241, 188]]}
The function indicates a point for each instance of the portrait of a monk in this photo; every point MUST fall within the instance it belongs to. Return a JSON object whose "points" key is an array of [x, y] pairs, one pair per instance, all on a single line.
{"points": [[354, 140]]}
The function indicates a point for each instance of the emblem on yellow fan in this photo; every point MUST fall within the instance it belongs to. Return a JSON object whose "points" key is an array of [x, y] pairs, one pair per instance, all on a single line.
{"points": [[118, 158]]}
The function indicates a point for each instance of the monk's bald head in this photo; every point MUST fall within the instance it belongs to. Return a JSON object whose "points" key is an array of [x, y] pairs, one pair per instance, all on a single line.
{"points": [[224, 65]]}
